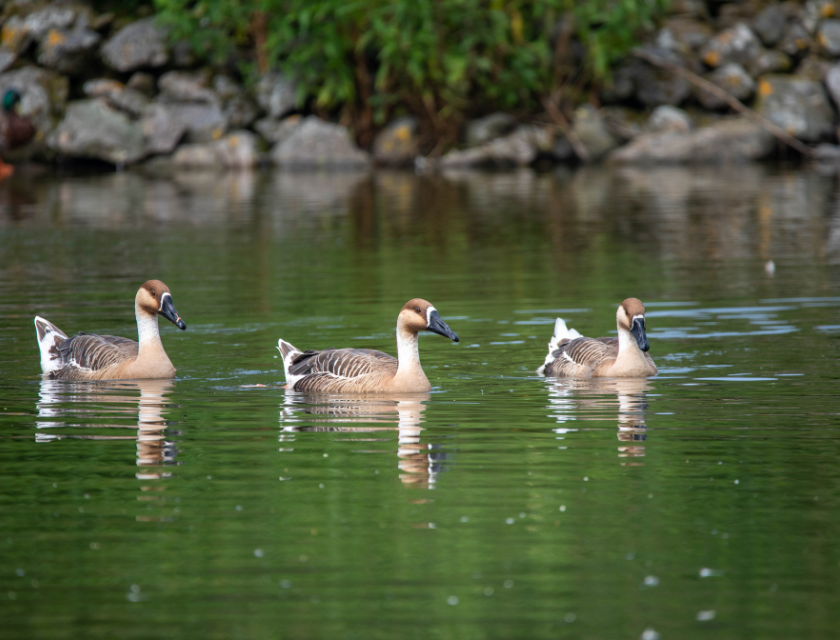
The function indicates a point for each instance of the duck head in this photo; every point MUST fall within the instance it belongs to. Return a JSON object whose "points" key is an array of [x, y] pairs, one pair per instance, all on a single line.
{"points": [[631, 317], [154, 298], [419, 315]]}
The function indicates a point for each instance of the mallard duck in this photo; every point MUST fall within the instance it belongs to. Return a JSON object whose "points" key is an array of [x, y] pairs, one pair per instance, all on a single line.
{"points": [[15, 130], [92, 357], [366, 370]]}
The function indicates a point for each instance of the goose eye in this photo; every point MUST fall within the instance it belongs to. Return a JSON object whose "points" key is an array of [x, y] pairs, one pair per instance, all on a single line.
{"points": [[154, 294], [417, 309]]}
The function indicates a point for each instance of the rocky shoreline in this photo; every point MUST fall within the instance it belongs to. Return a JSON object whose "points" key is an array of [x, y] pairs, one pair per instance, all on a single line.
{"points": [[100, 89]]}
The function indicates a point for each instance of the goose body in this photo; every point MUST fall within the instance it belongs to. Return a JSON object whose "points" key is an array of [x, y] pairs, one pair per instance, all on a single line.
{"points": [[570, 355], [93, 357], [367, 370]]}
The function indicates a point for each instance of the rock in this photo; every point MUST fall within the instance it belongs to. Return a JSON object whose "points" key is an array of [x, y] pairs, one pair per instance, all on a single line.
{"points": [[519, 148], [140, 44], [7, 58], [43, 98], [827, 153], [91, 129], [815, 11], [655, 86], [196, 121], [813, 68], [832, 83], [316, 143], [562, 150], [485, 129], [162, 129], [725, 141], [68, 52], [185, 86], [591, 129], [276, 131], [828, 38], [796, 42], [239, 109], [19, 32], [737, 44], [397, 144], [624, 122], [117, 95], [688, 34], [693, 8], [769, 61], [733, 79], [142, 82], [667, 118], [799, 106], [276, 94], [236, 150], [769, 25]]}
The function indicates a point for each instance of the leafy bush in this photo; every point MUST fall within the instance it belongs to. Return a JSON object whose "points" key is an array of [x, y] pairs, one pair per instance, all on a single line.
{"points": [[438, 59]]}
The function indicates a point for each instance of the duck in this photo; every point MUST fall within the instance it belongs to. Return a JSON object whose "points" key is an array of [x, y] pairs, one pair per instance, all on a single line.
{"points": [[15, 129], [570, 355], [87, 356], [367, 370]]}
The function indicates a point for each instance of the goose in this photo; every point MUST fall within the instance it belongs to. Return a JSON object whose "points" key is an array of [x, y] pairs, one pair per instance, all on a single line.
{"points": [[570, 355], [92, 357], [366, 370]]}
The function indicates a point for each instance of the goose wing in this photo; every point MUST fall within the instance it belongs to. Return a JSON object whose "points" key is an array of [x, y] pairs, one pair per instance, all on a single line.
{"points": [[580, 357], [334, 370], [93, 353]]}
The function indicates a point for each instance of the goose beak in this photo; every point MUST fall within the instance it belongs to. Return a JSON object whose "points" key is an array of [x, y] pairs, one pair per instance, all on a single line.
{"points": [[437, 325], [638, 331], [167, 310]]}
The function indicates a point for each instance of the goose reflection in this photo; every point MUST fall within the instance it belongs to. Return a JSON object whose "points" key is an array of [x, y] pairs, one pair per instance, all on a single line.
{"points": [[418, 463], [572, 400], [110, 405]]}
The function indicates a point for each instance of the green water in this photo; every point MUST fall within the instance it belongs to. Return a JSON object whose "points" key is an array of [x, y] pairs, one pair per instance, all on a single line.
{"points": [[703, 503]]}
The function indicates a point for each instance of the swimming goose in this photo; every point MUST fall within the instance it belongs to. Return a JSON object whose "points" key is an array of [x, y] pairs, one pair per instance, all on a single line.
{"points": [[570, 355], [91, 357], [366, 370]]}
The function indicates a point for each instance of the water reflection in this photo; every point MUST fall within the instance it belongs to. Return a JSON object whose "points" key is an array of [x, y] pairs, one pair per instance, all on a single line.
{"points": [[95, 406], [595, 399], [418, 463]]}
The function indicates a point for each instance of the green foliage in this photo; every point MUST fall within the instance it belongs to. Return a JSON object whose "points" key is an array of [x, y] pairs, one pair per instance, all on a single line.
{"points": [[439, 59]]}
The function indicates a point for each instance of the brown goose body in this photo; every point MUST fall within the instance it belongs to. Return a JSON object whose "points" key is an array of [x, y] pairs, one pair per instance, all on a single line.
{"points": [[367, 370], [571, 355], [96, 357]]}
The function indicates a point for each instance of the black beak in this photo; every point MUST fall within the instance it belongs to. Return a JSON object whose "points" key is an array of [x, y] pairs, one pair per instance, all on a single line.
{"points": [[439, 326], [167, 310], [638, 332]]}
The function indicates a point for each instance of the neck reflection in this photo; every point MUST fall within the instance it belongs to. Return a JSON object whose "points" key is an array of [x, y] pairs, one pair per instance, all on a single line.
{"points": [[419, 463], [597, 399]]}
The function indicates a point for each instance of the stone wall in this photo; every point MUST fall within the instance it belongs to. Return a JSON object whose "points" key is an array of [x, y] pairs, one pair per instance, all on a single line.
{"points": [[98, 88]]}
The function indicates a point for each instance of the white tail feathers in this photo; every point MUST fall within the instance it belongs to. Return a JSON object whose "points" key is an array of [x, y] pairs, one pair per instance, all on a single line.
{"points": [[561, 332], [288, 353], [49, 339]]}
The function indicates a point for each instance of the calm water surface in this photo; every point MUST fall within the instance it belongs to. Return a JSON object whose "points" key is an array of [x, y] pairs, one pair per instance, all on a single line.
{"points": [[702, 503]]}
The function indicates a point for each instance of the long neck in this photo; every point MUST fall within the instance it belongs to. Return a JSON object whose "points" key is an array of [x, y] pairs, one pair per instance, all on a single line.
{"points": [[147, 329], [407, 351], [628, 348]]}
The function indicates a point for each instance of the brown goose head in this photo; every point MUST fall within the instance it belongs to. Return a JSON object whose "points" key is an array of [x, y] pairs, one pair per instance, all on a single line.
{"points": [[155, 299], [631, 317], [419, 315]]}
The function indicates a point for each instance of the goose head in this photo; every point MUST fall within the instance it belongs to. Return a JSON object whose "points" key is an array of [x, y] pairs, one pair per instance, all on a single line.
{"points": [[631, 317], [155, 299], [419, 315]]}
